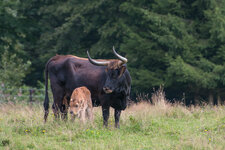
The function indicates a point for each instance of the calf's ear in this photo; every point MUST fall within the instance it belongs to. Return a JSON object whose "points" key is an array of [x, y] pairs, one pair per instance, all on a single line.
{"points": [[122, 70]]}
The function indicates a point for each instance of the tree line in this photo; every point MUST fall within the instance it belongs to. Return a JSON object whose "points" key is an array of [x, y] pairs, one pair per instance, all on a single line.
{"points": [[177, 44]]}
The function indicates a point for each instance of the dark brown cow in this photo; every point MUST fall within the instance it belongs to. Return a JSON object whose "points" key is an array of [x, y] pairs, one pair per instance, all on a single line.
{"points": [[108, 80]]}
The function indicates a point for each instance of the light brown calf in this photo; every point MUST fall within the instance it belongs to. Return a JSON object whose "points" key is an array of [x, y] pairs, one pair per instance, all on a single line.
{"points": [[81, 104]]}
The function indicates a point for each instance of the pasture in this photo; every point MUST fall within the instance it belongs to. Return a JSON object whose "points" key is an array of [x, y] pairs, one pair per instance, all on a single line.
{"points": [[143, 127]]}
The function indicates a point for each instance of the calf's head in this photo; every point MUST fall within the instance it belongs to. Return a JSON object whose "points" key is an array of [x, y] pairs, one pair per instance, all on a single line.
{"points": [[114, 71], [76, 106]]}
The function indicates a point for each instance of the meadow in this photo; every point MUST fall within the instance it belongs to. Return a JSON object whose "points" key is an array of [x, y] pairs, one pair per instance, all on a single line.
{"points": [[142, 126]]}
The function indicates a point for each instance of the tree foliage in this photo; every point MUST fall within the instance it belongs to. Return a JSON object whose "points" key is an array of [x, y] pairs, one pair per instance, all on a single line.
{"points": [[12, 70], [178, 44]]}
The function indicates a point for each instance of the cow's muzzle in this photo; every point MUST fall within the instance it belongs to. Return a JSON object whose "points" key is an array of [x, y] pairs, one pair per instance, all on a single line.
{"points": [[107, 90]]}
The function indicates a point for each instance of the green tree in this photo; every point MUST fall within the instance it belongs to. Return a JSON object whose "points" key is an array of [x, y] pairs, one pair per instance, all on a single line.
{"points": [[11, 28], [13, 70], [179, 44]]}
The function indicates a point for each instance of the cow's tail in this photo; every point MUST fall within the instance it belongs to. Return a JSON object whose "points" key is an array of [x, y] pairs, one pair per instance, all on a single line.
{"points": [[46, 102]]}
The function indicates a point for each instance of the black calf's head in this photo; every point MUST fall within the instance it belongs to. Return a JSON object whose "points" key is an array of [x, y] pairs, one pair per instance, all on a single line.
{"points": [[114, 72]]}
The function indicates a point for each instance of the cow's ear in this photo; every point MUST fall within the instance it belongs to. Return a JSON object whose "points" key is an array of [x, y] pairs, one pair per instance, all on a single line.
{"points": [[122, 70]]}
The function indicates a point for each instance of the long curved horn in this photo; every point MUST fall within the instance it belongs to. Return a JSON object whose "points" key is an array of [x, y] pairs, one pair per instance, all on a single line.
{"points": [[123, 59], [97, 63]]}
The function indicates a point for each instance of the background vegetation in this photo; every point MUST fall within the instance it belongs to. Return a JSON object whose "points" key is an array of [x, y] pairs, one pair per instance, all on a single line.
{"points": [[178, 44]]}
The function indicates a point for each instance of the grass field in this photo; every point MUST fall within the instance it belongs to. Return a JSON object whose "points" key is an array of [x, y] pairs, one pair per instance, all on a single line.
{"points": [[143, 127]]}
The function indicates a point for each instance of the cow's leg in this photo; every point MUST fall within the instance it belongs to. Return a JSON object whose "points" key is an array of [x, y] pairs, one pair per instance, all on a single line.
{"points": [[65, 107], [64, 111], [105, 114], [117, 118], [55, 110], [58, 95]]}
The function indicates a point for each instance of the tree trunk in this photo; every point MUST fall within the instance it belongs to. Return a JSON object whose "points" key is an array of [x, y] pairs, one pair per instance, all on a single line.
{"points": [[184, 99], [210, 100], [219, 102], [196, 100]]}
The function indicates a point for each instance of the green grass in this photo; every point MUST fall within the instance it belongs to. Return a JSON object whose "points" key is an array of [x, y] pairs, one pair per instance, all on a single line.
{"points": [[143, 127]]}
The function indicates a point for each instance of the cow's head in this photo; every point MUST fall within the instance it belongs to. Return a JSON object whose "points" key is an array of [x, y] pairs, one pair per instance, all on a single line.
{"points": [[114, 70]]}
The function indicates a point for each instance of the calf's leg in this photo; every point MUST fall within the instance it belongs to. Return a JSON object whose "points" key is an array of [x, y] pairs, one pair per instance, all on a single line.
{"points": [[89, 114], [82, 116]]}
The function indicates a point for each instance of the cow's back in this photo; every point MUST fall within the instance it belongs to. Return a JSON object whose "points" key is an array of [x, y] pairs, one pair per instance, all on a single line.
{"points": [[72, 72]]}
